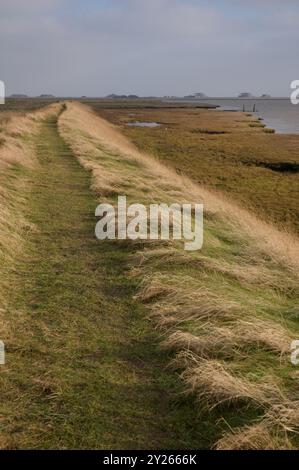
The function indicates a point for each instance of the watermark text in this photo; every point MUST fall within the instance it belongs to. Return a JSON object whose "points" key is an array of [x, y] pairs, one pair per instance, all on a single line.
{"points": [[157, 222], [295, 94]]}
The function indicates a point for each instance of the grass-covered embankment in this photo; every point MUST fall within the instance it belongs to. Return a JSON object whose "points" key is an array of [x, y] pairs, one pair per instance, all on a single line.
{"points": [[90, 327], [228, 312], [82, 365]]}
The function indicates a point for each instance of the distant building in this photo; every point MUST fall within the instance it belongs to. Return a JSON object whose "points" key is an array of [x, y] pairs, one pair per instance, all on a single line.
{"points": [[18, 95], [117, 97], [245, 95], [265, 96], [46, 96], [195, 96]]}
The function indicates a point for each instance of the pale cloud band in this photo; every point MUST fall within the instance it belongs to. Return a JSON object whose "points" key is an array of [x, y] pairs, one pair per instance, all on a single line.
{"points": [[95, 47]]}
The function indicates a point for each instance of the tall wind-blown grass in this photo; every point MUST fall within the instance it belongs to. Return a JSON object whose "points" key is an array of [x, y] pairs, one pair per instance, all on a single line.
{"points": [[228, 312], [16, 154]]}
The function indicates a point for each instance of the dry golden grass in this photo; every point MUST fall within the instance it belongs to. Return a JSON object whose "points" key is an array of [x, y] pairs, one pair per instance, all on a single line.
{"points": [[14, 129], [15, 153], [272, 433], [225, 339], [229, 311], [214, 383], [255, 437]]}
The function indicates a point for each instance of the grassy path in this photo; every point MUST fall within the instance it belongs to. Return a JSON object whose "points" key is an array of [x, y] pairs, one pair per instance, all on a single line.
{"points": [[84, 368]]}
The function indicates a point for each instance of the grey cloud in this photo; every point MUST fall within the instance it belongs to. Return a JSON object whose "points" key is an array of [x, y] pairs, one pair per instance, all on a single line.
{"points": [[156, 47]]}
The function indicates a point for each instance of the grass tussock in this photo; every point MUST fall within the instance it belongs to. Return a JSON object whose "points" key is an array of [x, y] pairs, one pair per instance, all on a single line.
{"points": [[214, 384], [255, 437], [208, 131], [228, 313]]}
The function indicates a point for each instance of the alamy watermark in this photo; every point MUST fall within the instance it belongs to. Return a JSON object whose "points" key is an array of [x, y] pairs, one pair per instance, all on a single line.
{"points": [[295, 352], [295, 94], [156, 222], [2, 92]]}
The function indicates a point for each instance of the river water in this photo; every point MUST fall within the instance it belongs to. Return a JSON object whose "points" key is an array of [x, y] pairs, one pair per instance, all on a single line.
{"points": [[278, 113]]}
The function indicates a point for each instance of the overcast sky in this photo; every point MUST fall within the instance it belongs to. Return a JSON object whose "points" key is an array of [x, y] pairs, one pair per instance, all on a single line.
{"points": [[149, 47]]}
